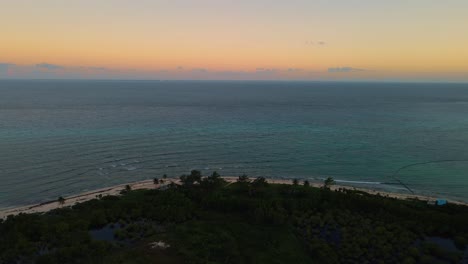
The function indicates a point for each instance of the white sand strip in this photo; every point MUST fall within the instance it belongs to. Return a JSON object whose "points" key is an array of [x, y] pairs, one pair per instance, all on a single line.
{"points": [[148, 184]]}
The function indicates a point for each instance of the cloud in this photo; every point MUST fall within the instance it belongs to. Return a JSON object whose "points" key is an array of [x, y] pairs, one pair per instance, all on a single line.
{"points": [[265, 70], [4, 67], [52, 71], [49, 66], [344, 69], [97, 68], [199, 70], [2, 64], [316, 43]]}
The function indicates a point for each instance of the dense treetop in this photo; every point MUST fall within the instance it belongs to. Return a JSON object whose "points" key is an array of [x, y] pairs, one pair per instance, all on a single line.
{"points": [[206, 220]]}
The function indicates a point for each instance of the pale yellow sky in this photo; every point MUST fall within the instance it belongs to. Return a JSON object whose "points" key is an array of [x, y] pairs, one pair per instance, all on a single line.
{"points": [[366, 39]]}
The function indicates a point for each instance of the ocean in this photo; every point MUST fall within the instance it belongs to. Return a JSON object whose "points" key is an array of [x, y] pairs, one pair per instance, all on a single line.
{"points": [[59, 138]]}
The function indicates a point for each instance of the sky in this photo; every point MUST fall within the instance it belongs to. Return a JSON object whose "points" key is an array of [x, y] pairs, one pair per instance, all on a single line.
{"points": [[400, 40]]}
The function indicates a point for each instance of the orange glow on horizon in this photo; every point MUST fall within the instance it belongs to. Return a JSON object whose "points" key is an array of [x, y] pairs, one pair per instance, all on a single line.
{"points": [[313, 37]]}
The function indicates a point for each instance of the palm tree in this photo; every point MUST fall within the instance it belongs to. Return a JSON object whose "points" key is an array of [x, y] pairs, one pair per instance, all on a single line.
{"points": [[213, 181], [194, 177], [306, 183], [328, 182], [260, 182], [156, 181], [163, 178], [243, 179], [215, 175], [61, 200], [257, 185], [295, 182], [128, 188]]}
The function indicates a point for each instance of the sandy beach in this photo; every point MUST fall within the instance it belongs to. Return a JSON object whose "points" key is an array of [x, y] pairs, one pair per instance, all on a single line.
{"points": [[148, 184]]}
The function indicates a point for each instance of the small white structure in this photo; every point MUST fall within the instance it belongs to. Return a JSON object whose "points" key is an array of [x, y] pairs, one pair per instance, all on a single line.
{"points": [[159, 244]]}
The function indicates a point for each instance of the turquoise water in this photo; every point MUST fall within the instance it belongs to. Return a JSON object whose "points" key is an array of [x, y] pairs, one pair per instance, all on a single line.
{"points": [[65, 137]]}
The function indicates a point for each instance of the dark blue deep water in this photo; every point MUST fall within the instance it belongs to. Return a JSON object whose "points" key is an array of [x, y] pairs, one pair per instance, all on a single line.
{"points": [[65, 137]]}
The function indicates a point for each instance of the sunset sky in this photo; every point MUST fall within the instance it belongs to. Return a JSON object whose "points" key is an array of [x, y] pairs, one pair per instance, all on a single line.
{"points": [[419, 40]]}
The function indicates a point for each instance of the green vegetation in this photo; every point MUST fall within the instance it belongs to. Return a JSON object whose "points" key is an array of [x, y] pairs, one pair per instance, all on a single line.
{"points": [[206, 220]]}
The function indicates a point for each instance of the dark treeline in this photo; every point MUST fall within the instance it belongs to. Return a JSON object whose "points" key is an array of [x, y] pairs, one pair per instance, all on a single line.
{"points": [[206, 220]]}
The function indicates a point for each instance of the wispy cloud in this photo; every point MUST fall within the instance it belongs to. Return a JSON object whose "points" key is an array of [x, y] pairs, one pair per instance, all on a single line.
{"points": [[200, 70], [97, 68], [344, 69], [319, 43], [265, 70], [49, 66]]}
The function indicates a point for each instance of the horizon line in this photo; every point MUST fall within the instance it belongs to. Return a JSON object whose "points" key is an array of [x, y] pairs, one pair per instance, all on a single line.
{"points": [[242, 80]]}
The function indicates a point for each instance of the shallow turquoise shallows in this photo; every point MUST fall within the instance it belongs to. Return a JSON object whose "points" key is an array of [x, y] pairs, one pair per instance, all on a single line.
{"points": [[59, 138]]}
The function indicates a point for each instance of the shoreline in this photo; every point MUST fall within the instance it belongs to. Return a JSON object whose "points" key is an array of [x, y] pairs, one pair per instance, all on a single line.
{"points": [[149, 184]]}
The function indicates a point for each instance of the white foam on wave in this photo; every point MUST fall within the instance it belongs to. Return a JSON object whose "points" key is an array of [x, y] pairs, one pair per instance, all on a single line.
{"points": [[383, 185], [358, 182], [348, 181]]}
